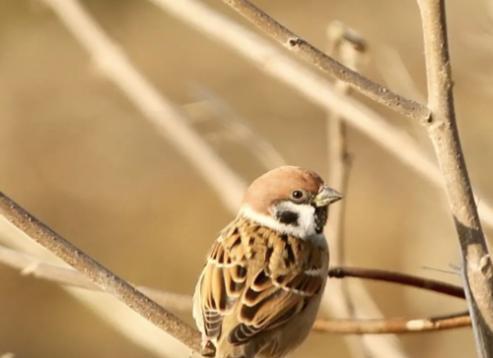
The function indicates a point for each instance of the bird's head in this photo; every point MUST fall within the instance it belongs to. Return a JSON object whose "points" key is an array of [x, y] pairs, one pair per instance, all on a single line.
{"points": [[291, 200]]}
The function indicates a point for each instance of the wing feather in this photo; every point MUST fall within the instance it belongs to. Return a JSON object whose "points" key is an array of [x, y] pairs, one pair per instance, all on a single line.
{"points": [[222, 281], [258, 280], [292, 274]]}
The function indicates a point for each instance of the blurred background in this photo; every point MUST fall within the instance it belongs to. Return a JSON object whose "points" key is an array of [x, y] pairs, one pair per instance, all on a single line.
{"points": [[77, 154]]}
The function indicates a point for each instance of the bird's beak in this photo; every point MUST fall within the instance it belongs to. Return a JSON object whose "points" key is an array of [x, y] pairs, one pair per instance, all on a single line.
{"points": [[326, 196]]}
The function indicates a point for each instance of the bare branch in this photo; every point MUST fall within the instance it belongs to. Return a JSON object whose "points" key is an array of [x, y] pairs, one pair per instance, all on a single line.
{"points": [[310, 53], [98, 274], [394, 325], [310, 84], [442, 129], [30, 265], [400, 278]]}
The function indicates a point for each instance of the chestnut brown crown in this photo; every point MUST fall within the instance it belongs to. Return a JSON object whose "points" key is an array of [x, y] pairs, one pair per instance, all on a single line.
{"points": [[283, 183]]}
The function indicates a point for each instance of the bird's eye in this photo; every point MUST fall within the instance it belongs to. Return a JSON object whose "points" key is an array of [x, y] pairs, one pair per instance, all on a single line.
{"points": [[297, 194]]}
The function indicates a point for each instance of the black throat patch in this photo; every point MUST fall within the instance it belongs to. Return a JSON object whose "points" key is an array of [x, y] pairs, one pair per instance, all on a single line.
{"points": [[287, 217], [321, 218]]}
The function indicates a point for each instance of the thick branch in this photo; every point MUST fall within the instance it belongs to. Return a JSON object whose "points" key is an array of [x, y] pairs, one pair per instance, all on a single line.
{"points": [[393, 325], [442, 129], [97, 273], [310, 53]]}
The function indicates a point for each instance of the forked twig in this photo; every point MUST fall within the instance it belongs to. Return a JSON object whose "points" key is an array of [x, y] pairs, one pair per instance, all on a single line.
{"points": [[307, 51], [311, 85], [307, 82]]}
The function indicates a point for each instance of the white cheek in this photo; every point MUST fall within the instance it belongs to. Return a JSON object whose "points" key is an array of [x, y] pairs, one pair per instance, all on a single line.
{"points": [[306, 216], [306, 219]]}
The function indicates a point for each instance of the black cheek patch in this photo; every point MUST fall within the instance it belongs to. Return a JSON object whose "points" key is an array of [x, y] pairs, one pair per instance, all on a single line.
{"points": [[288, 217]]}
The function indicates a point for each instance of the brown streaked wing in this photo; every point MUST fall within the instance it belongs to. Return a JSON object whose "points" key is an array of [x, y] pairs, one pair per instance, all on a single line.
{"points": [[222, 280], [281, 289]]}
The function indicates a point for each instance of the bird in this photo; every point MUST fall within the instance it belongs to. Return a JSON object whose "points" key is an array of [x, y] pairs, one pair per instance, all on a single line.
{"points": [[260, 288]]}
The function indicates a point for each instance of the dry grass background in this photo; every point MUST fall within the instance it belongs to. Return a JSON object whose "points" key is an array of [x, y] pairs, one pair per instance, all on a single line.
{"points": [[80, 157]]}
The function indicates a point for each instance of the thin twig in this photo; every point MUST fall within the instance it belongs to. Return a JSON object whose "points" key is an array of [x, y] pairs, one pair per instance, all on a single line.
{"points": [[308, 82], [400, 278], [442, 129], [310, 53], [239, 129], [396, 74], [346, 46], [311, 85], [394, 325], [97, 273]]}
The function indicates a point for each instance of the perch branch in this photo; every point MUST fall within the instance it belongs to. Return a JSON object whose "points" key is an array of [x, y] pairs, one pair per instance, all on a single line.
{"points": [[98, 274], [442, 130], [33, 266], [310, 53], [393, 325]]}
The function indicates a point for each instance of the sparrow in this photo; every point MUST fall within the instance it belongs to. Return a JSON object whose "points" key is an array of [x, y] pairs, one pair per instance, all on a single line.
{"points": [[260, 289]]}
